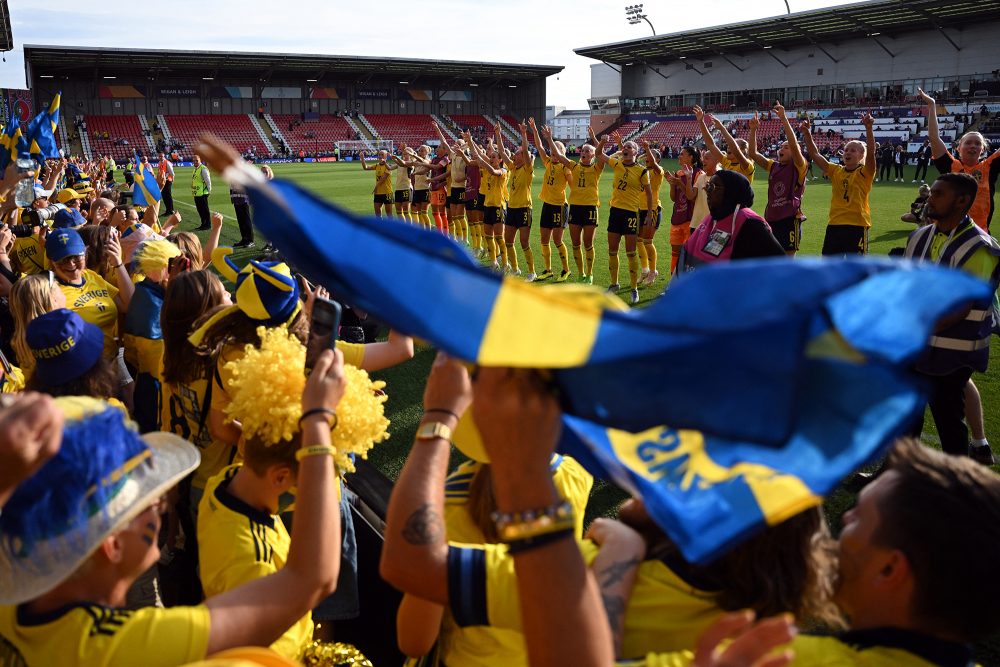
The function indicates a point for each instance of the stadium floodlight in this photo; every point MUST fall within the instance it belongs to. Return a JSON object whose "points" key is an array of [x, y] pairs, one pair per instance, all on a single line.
{"points": [[635, 16]]}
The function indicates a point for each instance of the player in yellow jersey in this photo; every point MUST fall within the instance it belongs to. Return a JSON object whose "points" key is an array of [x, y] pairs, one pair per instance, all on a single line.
{"points": [[851, 181], [455, 184], [382, 192], [554, 210], [403, 187], [630, 191], [737, 155], [584, 178], [521, 166], [647, 251], [493, 179], [419, 162]]}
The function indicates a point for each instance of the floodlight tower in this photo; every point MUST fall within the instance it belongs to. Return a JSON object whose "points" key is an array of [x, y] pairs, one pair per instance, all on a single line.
{"points": [[635, 16]]}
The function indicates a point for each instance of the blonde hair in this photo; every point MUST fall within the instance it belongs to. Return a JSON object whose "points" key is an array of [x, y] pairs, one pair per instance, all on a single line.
{"points": [[190, 246], [31, 297], [864, 146], [983, 140]]}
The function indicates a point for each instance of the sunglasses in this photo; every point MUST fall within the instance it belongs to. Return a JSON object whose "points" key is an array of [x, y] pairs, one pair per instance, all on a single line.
{"points": [[71, 260]]}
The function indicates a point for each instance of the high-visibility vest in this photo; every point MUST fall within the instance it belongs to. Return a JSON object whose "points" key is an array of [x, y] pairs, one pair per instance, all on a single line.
{"points": [[198, 187]]}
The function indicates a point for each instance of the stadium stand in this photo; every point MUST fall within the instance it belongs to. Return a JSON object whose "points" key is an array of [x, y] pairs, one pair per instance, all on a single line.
{"points": [[236, 129], [123, 136], [308, 135], [413, 129]]}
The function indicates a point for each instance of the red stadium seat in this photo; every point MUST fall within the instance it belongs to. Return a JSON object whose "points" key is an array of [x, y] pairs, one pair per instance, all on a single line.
{"points": [[118, 128], [235, 129], [313, 135], [412, 130]]}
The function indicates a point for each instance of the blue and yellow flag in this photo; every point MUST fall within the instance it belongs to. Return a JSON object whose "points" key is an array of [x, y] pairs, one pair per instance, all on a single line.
{"points": [[146, 190], [39, 138], [9, 142], [775, 378]]}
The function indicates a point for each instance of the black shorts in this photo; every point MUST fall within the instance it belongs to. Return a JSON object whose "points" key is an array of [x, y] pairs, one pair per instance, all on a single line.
{"points": [[623, 222], [473, 204], [659, 216], [420, 196], [845, 240], [583, 215], [788, 231], [480, 201], [383, 199], [518, 218], [402, 196], [457, 197], [492, 215], [553, 216]]}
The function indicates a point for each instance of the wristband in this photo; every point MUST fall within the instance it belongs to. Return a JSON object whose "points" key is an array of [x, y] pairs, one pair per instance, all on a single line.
{"points": [[319, 411], [315, 450], [529, 543], [118, 266], [532, 523], [443, 411]]}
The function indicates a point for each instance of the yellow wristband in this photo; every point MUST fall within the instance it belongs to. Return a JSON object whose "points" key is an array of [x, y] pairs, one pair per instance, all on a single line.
{"points": [[315, 450]]}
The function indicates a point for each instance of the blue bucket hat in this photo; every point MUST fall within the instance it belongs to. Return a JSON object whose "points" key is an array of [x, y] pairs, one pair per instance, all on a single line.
{"points": [[63, 243], [68, 218], [64, 346]]}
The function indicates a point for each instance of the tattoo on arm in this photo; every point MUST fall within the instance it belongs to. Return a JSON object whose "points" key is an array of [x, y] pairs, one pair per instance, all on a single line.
{"points": [[614, 607], [424, 526], [614, 573]]}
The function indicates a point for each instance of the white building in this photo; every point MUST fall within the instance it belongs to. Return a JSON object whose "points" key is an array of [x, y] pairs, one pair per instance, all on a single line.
{"points": [[571, 126]]}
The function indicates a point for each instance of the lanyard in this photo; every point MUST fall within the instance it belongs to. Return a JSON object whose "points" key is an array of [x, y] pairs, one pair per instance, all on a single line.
{"points": [[925, 253]]}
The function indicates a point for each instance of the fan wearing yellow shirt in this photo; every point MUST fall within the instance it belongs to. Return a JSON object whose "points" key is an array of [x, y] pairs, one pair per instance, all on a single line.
{"points": [[584, 179], [647, 251], [554, 210], [630, 191], [493, 180], [737, 155], [27, 256], [521, 170], [382, 192], [851, 185]]}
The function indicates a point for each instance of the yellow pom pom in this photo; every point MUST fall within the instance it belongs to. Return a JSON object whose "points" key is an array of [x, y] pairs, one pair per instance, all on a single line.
{"points": [[361, 421], [329, 654]]}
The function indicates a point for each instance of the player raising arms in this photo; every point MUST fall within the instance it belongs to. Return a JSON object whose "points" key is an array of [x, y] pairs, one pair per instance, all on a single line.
{"points": [[455, 187], [786, 181], [850, 212], [736, 156], [522, 169], [684, 193], [420, 164], [438, 180], [383, 186], [647, 251], [554, 211], [402, 194], [631, 182], [494, 177], [584, 178], [971, 149]]}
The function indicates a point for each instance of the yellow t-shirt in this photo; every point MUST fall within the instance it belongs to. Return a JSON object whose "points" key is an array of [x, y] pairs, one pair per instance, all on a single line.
{"points": [[629, 191], [664, 612], [849, 201], [520, 185], [553, 182], [238, 544], [655, 181], [98, 636], [93, 299], [385, 187], [584, 182], [181, 414], [483, 176], [730, 165], [494, 188], [484, 646], [29, 253]]}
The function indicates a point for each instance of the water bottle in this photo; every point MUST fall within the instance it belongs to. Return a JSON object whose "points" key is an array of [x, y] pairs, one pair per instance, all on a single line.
{"points": [[24, 193]]}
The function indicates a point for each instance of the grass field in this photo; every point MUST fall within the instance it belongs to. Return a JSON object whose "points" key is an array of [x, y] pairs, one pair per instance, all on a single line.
{"points": [[350, 187]]}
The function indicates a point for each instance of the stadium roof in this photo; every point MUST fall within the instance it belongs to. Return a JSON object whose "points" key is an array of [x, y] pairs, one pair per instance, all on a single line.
{"points": [[6, 38], [833, 24], [62, 60]]}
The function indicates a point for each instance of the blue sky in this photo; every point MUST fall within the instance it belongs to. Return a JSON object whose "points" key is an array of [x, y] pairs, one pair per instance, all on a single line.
{"points": [[522, 31]]}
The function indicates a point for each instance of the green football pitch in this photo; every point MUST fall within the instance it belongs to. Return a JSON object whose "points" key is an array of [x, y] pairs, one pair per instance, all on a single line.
{"points": [[346, 185]]}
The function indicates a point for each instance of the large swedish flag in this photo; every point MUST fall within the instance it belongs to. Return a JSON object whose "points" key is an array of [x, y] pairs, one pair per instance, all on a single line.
{"points": [[776, 378], [146, 190], [39, 137], [9, 142]]}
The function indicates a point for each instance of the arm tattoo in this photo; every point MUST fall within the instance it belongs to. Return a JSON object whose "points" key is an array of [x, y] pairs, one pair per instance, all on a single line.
{"points": [[613, 573], [614, 607], [424, 526]]}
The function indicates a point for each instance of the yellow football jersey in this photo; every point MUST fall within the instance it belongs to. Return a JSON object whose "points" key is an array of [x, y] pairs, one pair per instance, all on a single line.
{"points": [[655, 182], [483, 175], [93, 299], [29, 254], [629, 192], [584, 182], [181, 413], [98, 636], [458, 165], [553, 182], [385, 187], [730, 165], [402, 175], [520, 185], [849, 201], [237, 544], [494, 188]]}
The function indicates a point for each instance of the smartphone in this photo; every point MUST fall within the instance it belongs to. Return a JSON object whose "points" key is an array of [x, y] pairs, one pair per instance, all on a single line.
{"points": [[323, 329]]}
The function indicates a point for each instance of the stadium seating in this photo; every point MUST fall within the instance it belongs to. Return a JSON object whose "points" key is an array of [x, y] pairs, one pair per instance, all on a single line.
{"points": [[410, 129], [235, 129], [120, 129], [671, 131], [311, 135], [478, 125]]}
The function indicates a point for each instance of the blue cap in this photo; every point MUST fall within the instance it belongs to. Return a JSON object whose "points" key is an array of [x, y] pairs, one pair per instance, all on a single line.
{"points": [[64, 346], [68, 218], [63, 243]]}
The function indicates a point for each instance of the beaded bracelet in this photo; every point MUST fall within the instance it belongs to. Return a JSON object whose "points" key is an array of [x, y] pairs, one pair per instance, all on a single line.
{"points": [[529, 543], [529, 523], [315, 450], [320, 411]]}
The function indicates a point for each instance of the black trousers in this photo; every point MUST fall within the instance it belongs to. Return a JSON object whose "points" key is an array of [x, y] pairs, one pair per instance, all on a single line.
{"points": [[244, 221], [921, 173], [899, 171], [947, 404], [201, 203], [168, 197], [885, 171]]}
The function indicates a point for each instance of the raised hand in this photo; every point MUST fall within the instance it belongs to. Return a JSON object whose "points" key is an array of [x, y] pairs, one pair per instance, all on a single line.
{"points": [[699, 113], [779, 109], [755, 121]]}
